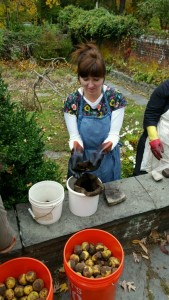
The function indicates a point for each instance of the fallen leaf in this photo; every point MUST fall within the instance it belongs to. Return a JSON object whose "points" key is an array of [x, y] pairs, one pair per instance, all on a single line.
{"points": [[167, 238], [144, 240], [136, 259], [143, 247], [155, 235], [144, 256], [136, 241], [131, 286], [63, 288], [56, 287], [124, 285], [62, 270], [163, 248], [10, 169], [62, 273]]}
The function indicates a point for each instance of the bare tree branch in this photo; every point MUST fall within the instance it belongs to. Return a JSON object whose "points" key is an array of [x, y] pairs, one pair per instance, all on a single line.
{"points": [[45, 77]]}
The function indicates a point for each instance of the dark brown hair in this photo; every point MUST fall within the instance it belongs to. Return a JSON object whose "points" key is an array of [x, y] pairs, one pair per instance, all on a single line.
{"points": [[89, 61]]}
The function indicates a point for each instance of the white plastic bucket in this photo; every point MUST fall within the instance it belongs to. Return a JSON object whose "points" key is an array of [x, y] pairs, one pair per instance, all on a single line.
{"points": [[46, 198], [80, 204]]}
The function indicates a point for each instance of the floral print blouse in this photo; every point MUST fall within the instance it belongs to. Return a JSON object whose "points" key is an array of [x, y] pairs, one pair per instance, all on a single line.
{"points": [[115, 99]]}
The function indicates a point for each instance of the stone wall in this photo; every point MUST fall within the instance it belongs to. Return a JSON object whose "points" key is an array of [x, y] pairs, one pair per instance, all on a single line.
{"points": [[127, 81], [146, 207], [152, 47]]}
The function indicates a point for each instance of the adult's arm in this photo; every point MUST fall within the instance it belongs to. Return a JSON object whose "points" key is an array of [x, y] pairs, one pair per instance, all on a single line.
{"points": [[74, 136], [157, 105], [117, 117]]}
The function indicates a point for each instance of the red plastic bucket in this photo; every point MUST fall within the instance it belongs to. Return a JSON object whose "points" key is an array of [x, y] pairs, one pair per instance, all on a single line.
{"points": [[16, 266], [82, 288]]}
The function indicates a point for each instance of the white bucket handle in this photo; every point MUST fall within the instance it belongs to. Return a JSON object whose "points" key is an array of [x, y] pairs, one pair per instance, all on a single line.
{"points": [[37, 218]]}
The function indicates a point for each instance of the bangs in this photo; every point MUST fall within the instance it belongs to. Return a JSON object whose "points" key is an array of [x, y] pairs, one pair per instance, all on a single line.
{"points": [[96, 69]]}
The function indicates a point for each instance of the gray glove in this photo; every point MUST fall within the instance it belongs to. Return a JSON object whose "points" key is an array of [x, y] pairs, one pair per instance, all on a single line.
{"points": [[96, 158], [75, 159], [78, 166]]}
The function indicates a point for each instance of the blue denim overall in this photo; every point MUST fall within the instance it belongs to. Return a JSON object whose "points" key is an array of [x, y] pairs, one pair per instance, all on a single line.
{"points": [[94, 131]]}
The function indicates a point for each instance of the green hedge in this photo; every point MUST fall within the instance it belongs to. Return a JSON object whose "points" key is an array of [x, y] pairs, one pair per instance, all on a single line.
{"points": [[44, 41], [97, 24], [74, 26], [21, 152]]}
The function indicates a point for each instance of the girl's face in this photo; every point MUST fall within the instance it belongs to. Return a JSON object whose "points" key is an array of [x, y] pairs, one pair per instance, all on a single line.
{"points": [[92, 86]]}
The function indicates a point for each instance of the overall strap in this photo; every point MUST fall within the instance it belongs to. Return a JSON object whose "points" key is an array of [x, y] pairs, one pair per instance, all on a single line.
{"points": [[80, 115], [106, 101]]}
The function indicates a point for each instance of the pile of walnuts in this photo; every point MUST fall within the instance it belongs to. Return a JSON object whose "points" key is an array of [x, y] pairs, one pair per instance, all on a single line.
{"points": [[26, 287], [93, 260]]}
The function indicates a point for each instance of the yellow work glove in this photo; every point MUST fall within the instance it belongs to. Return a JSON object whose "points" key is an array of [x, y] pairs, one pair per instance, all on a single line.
{"points": [[152, 133]]}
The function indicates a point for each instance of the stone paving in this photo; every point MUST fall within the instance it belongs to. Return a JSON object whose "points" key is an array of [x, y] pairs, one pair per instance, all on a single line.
{"points": [[150, 277], [137, 98]]}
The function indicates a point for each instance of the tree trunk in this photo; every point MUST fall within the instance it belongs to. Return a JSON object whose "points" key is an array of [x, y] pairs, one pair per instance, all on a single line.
{"points": [[7, 18], [122, 6]]}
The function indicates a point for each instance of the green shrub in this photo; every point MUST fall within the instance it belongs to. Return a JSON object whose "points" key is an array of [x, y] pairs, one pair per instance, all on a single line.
{"points": [[2, 38], [67, 14], [146, 9], [50, 45], [49, 42], [154, 25], [65, 46], [97, 24], [45, 41], [21, 152], [16, 45], [46, 45]]}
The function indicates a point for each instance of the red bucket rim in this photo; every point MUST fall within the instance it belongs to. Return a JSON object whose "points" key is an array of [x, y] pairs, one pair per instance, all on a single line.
{"points": [[25, 258]]}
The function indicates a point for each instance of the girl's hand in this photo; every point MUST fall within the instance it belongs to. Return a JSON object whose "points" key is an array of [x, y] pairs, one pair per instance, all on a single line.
{"points": [[106, 147], [77, 147]]}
